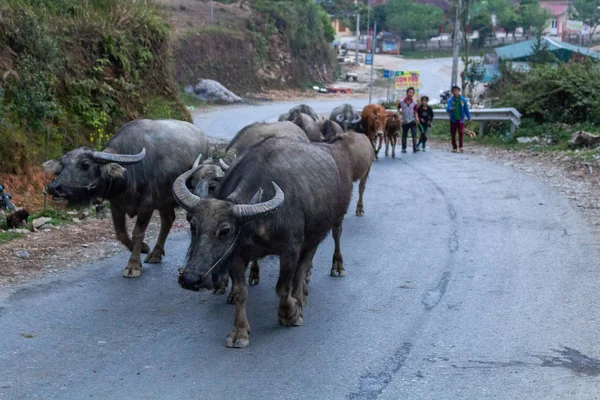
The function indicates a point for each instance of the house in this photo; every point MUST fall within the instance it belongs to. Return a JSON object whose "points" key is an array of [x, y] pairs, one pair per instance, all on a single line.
{"points": [[559, 11], [340, 29], [520, 52]]}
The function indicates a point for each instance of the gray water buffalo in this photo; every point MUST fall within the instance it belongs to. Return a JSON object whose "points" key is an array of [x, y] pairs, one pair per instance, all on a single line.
{"points": [[244, 139], [280, 197], [329, 129], [304, 109], [135, 172], [347, 117], [307, 124], [257, 132]]}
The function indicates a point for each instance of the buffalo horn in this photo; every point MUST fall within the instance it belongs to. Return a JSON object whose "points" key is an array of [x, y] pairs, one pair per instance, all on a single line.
{"points": [[339, 118], [123, 159], [357, 120], [182, 194], [202, 189], [250, 211], [223, 164], [197, 160]]}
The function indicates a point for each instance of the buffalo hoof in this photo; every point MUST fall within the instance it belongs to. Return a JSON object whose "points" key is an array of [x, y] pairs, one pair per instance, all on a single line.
{"points": [[337, 269], [238, 338], [290, 314], [301, 293], [360, 211], [132, 270], [154, 257], [254, 277]]}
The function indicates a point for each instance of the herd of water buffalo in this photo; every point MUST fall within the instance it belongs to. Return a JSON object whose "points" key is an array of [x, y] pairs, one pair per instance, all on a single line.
{"points": [[279, 189]]}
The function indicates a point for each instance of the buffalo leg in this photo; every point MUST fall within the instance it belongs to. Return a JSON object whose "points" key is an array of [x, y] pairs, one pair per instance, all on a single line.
{"points": [[134, 267], [290, 310], [360, 209], [300, 290], [167, 216], [337, 266], [254, 277], [380, 140], [239, 335], [394, 141], [118, 217]]}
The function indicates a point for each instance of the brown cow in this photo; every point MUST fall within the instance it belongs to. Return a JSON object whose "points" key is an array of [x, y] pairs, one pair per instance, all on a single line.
{"points": [[392, 126], [373, 118]]}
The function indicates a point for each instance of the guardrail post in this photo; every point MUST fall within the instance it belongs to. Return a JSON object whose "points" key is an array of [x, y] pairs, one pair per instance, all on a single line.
{"points": [[481, 128], [513, 127]]}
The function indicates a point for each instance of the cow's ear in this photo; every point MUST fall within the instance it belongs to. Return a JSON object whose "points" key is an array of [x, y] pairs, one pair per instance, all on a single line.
{"points": [[113, 171]]}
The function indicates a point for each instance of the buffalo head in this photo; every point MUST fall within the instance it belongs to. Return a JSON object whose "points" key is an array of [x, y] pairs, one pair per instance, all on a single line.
{"points": [[215, 228], [84, 174]]}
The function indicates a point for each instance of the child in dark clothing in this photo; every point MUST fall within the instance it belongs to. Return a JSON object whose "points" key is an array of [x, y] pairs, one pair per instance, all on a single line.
{"points": [[425, 114]]}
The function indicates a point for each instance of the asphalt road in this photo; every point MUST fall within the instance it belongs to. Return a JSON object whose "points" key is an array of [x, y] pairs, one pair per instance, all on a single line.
{"points": [[465, 280]]}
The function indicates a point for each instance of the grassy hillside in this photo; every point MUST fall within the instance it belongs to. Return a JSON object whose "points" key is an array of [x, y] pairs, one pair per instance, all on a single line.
{"points": [[74, 71]]}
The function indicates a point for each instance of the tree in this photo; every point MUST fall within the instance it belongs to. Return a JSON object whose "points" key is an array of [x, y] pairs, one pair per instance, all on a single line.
{"points": [[533, 17], [411, 20], [338, 8], [589, 12]]}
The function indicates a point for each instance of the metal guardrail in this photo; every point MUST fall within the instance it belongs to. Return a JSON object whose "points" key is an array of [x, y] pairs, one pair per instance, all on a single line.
{"points": [[486, 114], [481, 115]]}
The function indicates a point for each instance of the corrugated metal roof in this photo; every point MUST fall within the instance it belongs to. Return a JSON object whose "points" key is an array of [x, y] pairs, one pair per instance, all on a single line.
{"points": [[521, 51]]}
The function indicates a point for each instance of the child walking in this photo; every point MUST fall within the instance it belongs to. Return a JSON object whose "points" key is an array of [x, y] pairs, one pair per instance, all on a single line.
{"points": [[459, 111], [425, 114]]}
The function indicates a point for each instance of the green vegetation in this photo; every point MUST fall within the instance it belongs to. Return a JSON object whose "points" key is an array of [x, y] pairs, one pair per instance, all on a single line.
{"points": [[564, 93], [57, 217], [8, 236], [75, 71]]}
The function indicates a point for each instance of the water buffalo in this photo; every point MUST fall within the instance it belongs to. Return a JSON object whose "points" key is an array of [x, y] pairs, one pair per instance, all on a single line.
{"points": [[303, 108], [354, 151], [135, 172], [305, 197], [257, 132], [347, 117], [329, 129], [245, 138], [392, 126], [374, 117], [307, 124]]}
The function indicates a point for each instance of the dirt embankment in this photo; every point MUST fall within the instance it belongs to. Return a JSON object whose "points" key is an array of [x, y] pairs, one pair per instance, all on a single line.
{"points": [[247, 49]]}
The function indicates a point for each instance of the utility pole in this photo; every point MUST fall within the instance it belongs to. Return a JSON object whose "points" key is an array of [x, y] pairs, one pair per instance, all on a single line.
{"points": [[369, 17], [372, 59], [357, 35], [212, 11], [456, 43]]}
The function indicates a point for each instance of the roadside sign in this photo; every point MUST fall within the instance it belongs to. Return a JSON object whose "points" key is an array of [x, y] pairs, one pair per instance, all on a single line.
{"points": [[387, 74], [369, 59], [406, 79]]}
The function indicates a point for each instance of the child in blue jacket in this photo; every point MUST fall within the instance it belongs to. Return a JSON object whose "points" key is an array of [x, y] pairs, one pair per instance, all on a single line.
{"points": [[459, 110]]}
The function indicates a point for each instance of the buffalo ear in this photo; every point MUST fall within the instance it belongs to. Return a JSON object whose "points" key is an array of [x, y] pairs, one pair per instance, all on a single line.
{"points": [[52, 167], [113, 171]]}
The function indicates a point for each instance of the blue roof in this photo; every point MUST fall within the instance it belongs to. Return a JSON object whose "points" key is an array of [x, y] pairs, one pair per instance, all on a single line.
{"points": [[521, 51]]}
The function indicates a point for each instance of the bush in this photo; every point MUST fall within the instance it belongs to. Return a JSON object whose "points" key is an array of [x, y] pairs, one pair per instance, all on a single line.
{"points": [[565, 93], [76, 71]]}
